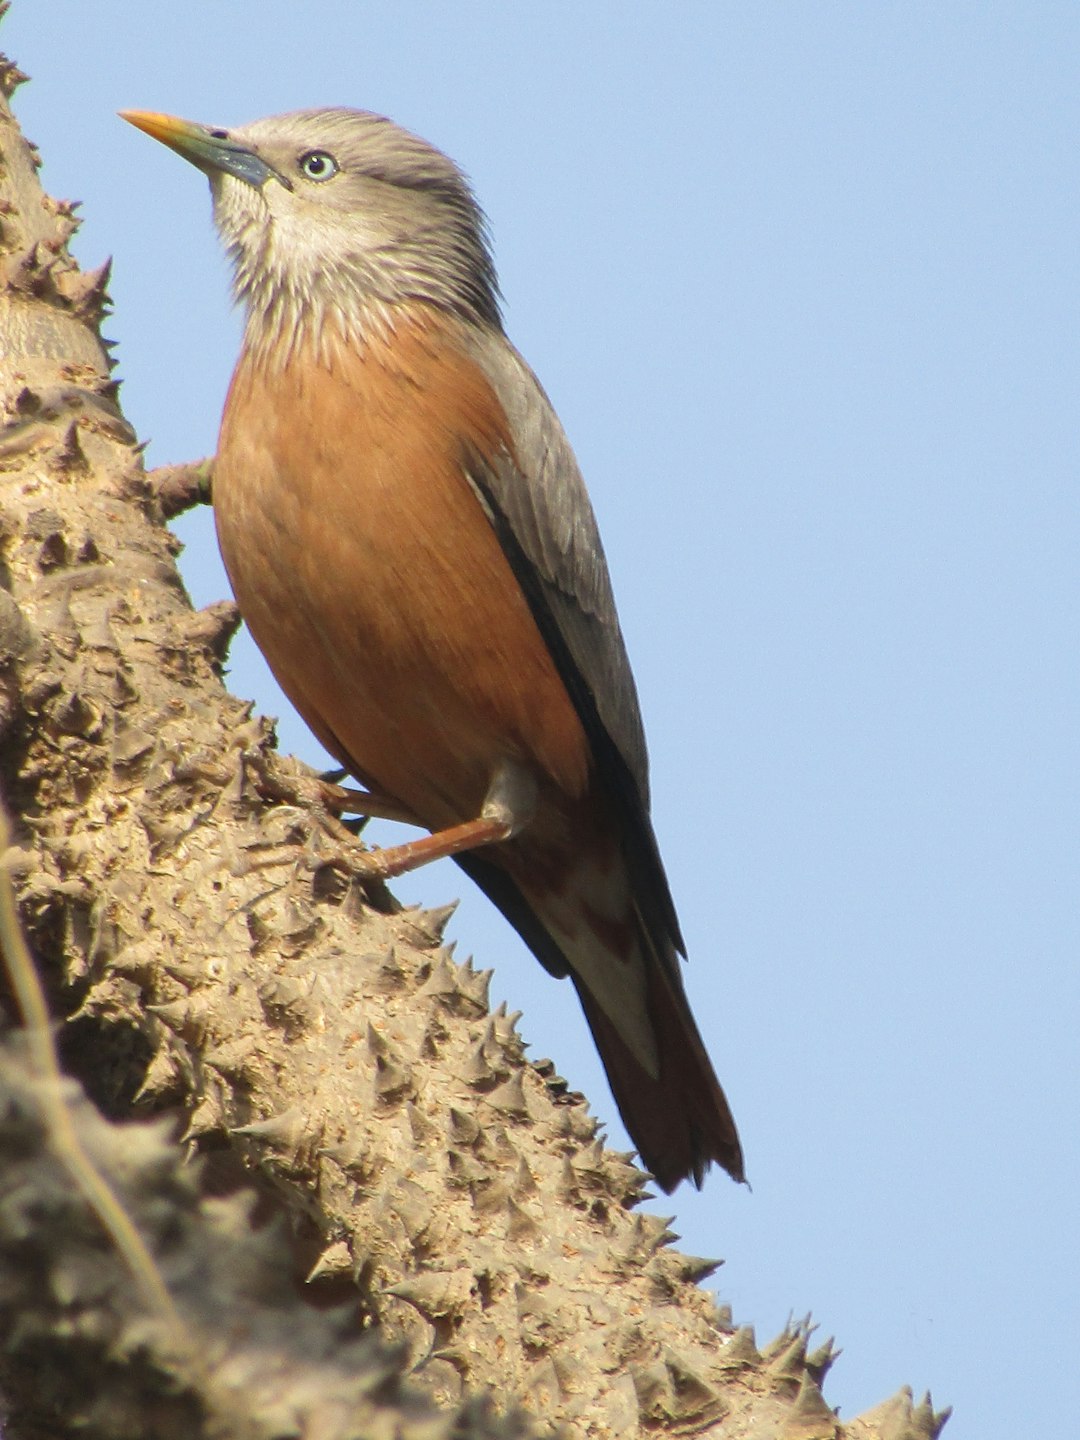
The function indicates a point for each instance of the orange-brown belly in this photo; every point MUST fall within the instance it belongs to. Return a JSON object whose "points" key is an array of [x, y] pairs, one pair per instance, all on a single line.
{"points": [[373, 582]]}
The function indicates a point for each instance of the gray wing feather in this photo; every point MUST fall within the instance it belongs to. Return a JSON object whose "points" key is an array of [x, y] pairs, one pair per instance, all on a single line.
{"points": [[539, 505], [549, 512]]}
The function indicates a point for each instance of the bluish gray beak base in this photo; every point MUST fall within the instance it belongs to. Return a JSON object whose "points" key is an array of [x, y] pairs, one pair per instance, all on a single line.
{"points": [[212, 151]]}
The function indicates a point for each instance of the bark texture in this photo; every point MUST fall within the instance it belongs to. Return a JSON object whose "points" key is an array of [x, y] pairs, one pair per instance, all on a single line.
{"points": [[379, 1165]]}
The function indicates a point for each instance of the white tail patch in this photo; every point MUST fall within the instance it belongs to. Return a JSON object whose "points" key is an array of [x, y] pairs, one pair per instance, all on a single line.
{"points": [[593, 920]]}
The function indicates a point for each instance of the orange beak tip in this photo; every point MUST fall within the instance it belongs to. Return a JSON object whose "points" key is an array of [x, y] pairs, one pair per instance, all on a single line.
{"points": [[213, 151], [151, 122]]}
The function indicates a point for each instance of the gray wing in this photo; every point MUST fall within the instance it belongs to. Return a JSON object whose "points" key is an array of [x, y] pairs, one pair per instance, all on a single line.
{"points": [[540, 508]]}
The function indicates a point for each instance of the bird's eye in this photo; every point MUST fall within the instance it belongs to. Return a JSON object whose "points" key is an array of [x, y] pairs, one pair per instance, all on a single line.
{"points": [[318, 165]]}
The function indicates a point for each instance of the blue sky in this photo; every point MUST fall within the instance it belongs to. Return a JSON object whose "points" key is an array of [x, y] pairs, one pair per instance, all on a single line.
{"points": [[802, 282]]}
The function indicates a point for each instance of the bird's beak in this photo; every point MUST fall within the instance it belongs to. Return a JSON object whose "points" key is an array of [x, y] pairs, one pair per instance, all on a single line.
{"points": [[212, 151]]}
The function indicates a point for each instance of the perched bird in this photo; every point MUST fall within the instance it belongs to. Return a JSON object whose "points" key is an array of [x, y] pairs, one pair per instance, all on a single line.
{"points": [[412, 546]]}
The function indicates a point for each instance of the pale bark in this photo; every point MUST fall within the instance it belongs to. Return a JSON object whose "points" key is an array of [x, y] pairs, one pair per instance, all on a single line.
{"points": [[209, 959]]}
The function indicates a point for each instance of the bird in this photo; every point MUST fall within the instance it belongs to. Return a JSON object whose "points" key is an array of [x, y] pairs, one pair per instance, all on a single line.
{"points": [[411, 544]]}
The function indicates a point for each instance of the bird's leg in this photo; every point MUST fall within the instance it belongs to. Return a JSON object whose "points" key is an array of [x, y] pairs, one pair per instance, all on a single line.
{"points": [[324, 796], [508, 807], [372, 803]]}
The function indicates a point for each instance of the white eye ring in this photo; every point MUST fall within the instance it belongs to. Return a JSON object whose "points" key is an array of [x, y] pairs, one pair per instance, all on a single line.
{"points": [[318, 165]]}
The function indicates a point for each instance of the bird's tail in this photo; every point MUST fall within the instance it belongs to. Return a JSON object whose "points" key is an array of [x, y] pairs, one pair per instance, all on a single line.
{"points": [[586, 919], [679, 1118], [582, 919]]}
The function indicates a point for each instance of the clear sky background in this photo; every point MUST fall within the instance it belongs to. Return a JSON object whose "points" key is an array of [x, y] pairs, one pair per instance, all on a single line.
{"points": [[801, 280]]}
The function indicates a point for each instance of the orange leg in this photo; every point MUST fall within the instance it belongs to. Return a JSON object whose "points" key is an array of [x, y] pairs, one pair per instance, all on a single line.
{"points": [[508, 806], [397, 859]]}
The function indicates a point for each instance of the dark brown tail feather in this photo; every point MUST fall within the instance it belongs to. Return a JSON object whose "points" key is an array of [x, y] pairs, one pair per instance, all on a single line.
{"points": [[681, 1122]]}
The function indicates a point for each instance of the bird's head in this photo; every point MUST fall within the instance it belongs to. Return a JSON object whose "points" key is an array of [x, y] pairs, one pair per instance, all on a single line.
{"points": [[335, 217]]}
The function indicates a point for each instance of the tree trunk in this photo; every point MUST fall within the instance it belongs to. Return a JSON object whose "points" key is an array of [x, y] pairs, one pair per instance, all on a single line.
{"points": [[396, 1170]]}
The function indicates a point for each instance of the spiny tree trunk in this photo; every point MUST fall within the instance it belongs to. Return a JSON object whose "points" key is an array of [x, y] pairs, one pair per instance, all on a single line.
{"points": [[209, 959]]}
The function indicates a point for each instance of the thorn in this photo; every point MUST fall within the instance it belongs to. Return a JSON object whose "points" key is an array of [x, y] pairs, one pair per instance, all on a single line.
{"points": [[393, 1079], [204, 1119], [926, 1422], [475, 1070], [820, 1361], [231, 1057], [474, 986], [336, 1259], [790, 1363], [390, 975], [186, 1017], [442, 983], [489, 1196], [525, 1181], [505, 1026], [463, 1170], [568, 1189], [693, 1269], [497, 1148], [780, 1343], [432, 924], [11, 77], [488, 1040], [376, 1045], [810, 1417], [509, 1098], [69, 455], [162, 1076], [435, 1033], [462, 1128], [85, 291], [740, 1352], [652, 1388], [211, 628], [284, 1132], [692, 1398], [422, 1128]]}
